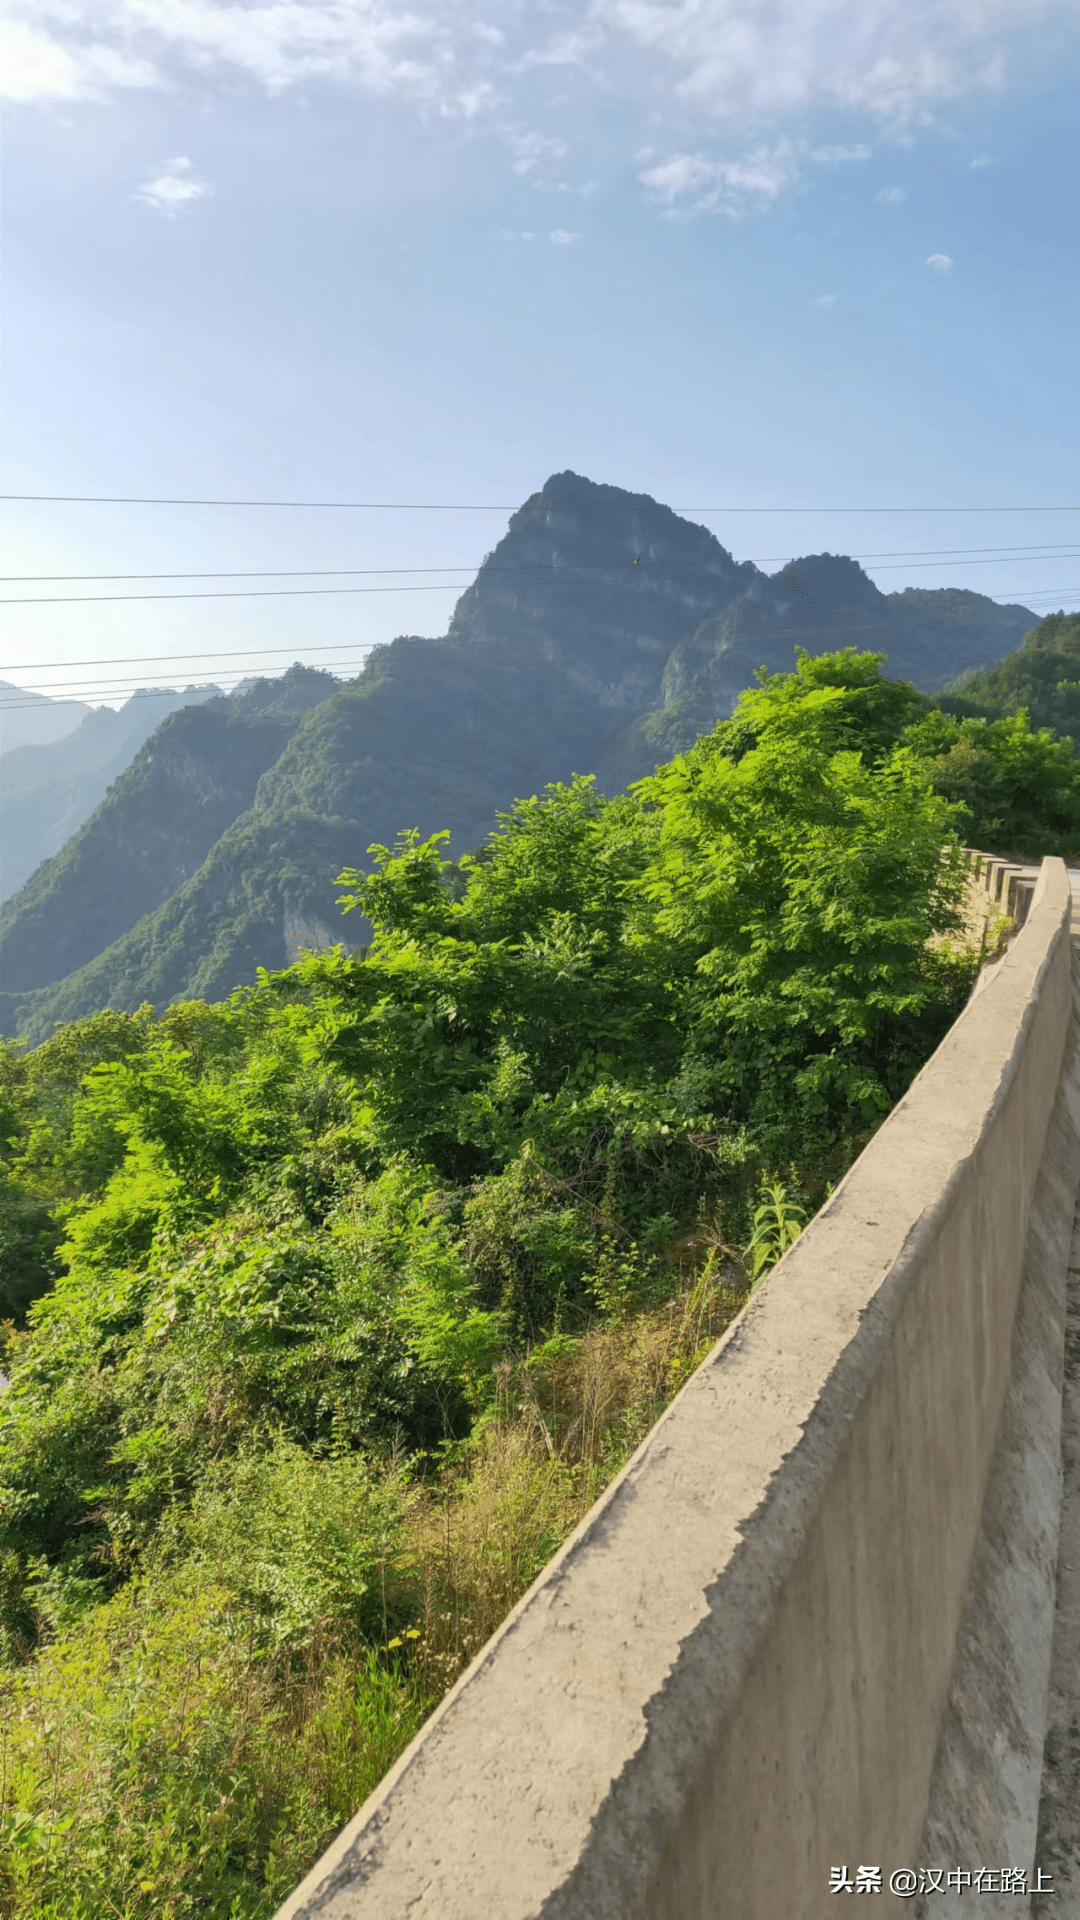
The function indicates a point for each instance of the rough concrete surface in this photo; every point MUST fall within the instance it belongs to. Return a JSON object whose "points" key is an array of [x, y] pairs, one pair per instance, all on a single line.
{"points": [[1058, 1847], [985, 1789], [733, 1677]]}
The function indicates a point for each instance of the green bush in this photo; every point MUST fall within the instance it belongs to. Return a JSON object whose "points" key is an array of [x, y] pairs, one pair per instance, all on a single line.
{"points": [[343, 1297]]}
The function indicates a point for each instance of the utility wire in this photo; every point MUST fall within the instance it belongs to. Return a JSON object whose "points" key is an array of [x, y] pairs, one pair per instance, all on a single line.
{"points": [[999, 556], [259, 573], [222, 684], [809, 628], [297, 593], [151, 659], [460, 506], [238, 593]]}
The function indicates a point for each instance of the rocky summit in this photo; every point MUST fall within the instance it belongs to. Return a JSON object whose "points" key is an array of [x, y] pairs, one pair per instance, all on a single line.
{"points": [[603, 634]]}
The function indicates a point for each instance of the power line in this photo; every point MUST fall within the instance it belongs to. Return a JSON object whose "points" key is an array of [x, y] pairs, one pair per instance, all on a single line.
{"points": [[1003, 555], [460, 506], [261, 573], [840, 630], [917, 553], [151, 659], [106, 692], [298, 593], [989, 560], [239, 593]]}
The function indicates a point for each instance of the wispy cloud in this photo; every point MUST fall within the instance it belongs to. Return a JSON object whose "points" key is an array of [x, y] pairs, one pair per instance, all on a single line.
{"points": [[824, 302], [892, 196], [62, 48], [559, 237], [894, 60], [694, 183], [39, 61], [743, 96], [940, 262], [841, 156], [532, 151], [176, 186]]}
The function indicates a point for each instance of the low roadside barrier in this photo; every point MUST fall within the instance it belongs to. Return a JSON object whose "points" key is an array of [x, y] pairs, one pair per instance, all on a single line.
{"points": [[777, 1649]]}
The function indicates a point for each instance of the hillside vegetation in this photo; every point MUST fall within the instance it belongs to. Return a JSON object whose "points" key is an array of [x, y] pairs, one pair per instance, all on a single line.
{"points": [[48, 790], [198, 770], [338, 1301], [603, 633], [1042, 677]]}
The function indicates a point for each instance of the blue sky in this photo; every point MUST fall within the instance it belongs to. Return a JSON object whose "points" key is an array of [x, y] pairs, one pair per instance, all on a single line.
{"points": [[738, 253]]}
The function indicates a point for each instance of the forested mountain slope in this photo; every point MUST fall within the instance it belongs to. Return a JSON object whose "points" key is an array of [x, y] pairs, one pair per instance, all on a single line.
{"points": [[1042, 676], [823, 600], [28, 718], [49, 790], [187, 783], [603, 634]]}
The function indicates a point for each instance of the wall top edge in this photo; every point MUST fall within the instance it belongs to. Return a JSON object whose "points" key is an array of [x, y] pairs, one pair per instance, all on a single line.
{"points": [[474, 1812]]}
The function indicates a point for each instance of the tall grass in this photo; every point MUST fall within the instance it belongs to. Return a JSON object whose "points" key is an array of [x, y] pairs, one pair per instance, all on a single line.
{"points": [[189, 1747]]}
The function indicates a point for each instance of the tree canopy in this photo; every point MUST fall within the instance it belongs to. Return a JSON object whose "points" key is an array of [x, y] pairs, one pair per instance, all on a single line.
{"points": [[282, 1264]]}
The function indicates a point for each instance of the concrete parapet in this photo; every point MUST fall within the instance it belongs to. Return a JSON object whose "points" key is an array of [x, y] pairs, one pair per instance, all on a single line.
{"points": [[1008, 883], [1015, 886], [738, 1674]]}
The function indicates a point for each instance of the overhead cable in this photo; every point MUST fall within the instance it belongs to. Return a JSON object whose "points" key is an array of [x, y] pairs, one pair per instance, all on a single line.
{"points": [[462, 506], [994, 556], [875, 629]]}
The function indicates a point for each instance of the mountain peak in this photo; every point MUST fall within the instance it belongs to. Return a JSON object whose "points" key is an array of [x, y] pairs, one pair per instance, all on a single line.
{"points": [[602, 580], [825, 582]]}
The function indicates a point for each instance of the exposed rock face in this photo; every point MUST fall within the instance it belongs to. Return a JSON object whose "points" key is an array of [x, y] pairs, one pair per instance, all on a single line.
{"points": [[601, 636], [601, 583], [185, 786], [48, 790], [305, 934]]}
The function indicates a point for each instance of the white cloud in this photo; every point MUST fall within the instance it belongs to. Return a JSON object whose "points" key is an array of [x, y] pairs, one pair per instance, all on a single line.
{"points": [[892, 196], [982, 160], [824, 302], [533, 151], [472, 101], [176, 186], [64, 48], [693, 183], [840, 156], [35, 64], [509, 233], [894, 60], [575, 47], [940, 262], [560, 238], [743, 95]]}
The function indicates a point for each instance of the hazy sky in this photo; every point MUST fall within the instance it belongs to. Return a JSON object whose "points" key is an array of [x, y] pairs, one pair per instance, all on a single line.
{"points": [[733, 253]]}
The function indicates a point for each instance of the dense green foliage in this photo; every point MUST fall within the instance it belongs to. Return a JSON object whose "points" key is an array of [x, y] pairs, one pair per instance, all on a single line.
{"points": [[362, 1282], [1042, 677], [48, 791], [605, 632]]}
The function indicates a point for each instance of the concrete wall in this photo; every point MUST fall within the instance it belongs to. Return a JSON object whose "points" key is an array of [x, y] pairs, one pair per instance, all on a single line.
{"points": [[1009, 886], [737, 1674]]}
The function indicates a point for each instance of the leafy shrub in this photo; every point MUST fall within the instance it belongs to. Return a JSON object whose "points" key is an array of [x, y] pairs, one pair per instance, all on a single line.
{"points": [[354, 1290]]}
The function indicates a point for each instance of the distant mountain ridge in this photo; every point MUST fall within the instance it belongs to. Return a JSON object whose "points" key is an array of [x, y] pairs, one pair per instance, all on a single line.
{"points": [[48, 789], [1042, 677], [185, 786], [35, 719], [603, 634]]}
